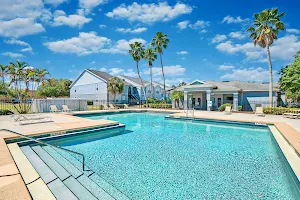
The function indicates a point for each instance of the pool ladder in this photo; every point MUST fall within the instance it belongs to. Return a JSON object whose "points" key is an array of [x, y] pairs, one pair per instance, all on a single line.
{"points": [[53, 146], [190, 111]]}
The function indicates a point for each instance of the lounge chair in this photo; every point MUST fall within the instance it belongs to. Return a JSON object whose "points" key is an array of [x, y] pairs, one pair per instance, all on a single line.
{"points": [[228, 110], [126, 106], [105, 107], [65, 108], [54, 109], [259, 111], [112, 107], [30, 119], [291, 115]]}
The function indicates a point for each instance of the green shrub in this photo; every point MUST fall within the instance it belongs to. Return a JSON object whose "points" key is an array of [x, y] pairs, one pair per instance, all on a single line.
{"points": [[90, 103], [222, 107], [121, 106], [278, 110], [158, 105], [5, 112], [240, 108]]}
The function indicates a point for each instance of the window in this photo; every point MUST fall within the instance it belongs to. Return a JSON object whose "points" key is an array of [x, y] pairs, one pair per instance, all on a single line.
{"points": [[75, 90], [230, 98]]}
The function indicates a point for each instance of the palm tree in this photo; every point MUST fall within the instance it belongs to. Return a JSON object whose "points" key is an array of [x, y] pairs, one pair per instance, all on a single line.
{"points": [[137, 52], [3, 71], [150, 56], [264, 31], [160, 42], [115, 86], [41, 76]]}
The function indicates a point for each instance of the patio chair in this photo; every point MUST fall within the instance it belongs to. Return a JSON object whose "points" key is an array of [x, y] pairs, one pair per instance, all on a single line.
{"points": [[53, 109], [228, 110], [112, 107], [126, 106], [259, 111], [65, 108], [29, 119], [105, 107], [291, 115]]}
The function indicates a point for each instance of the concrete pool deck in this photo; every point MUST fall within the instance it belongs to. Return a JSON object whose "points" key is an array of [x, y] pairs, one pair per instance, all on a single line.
{"points": [[12, 185]]}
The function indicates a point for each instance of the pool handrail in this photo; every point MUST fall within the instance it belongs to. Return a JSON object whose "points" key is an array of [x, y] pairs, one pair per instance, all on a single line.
{"points": [[54, 146]]}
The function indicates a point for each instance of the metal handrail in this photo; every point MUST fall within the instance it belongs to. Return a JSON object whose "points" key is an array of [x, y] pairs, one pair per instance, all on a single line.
{"points": [[54, 146]]}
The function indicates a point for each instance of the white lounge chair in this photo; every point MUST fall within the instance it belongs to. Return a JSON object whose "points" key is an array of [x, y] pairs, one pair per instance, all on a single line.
{"points": [[126, 106], [29, 119], [291, 115], [259, 111], [105, 107], [228, 110], [54, 109], [112, 107], [65, 108]]}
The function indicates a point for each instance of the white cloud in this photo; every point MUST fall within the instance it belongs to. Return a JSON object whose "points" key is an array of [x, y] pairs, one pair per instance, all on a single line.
{"points": [[129, 30], [149, 13], [120, 71], [28, 49], [85, 43], [103, 69], [20, 27], [199, 24], [226, 67], [182, 52], [203, 31], [93, 62], [237, 35], [90, 4], [175, 70], [54, 2], [183, 25], [292, 30], [102, 26], [248, 74], [115, 71], [122, 46], [75, 20], [219, 38], [12, 55], [15, 41], [231, 20]]}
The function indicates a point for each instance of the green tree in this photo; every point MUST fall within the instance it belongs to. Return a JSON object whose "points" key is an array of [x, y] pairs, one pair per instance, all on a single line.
{"points": [[176, 96], [3, 71], [266, 26], [159, 42], [137, 52], [115, 86], [290, 79], [150, 56], [55, 88]]}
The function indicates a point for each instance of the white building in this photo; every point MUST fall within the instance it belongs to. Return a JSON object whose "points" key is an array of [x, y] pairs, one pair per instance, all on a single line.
{"points": [[92, 85]]}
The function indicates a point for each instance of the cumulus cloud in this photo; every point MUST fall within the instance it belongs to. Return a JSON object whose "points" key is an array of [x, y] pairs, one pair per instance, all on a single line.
{"points": [[149, 13], [174, 70], [90, 4], [54, 2], [75, 20], [226, 67], [119, 71], [219, 38], [14, 41], [183, 25], [237, 35], [122, 46], [13, 55], [19, 27], [102, 26], [84, 44], [199, 24], [129, 30], [248, 74], [292, 30], [231, 20], [182, 52]]}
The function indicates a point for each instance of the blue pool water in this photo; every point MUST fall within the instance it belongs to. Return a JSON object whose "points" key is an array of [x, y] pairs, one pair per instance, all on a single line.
{"points": [[157, 158]]}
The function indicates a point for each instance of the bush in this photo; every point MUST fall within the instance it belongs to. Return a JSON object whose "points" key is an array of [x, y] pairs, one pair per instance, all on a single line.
{"points": [[278, 110], [240, 108], [222, 107], [158, 105], [90, 103], [5, 112]]}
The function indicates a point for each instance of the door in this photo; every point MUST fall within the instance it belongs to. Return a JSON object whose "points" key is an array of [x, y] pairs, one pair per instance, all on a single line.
{"points": [[219, 102]]}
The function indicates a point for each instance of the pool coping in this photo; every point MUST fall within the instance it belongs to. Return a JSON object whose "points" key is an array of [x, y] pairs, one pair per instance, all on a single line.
{"points": [[290, 135]]}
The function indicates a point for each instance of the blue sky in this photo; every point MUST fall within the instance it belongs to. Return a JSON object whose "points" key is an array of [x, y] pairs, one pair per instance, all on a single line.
{"points": [[208, 39]]}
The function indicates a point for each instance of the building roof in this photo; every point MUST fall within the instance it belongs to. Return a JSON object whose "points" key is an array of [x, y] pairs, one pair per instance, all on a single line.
{"points": [[136, 80], [100, 74]]}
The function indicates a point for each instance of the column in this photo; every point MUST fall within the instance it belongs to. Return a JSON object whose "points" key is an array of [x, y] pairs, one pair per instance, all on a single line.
{"points": [[185, 100], [235, 101], [208, 100]]}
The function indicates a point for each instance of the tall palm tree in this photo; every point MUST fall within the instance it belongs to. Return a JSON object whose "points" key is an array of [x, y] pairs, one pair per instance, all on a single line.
{"points": [[41, 76], [264, 31], [3, 71], [137, 52], [115, 86], [16, 70], [160, 42], [150, 56]]}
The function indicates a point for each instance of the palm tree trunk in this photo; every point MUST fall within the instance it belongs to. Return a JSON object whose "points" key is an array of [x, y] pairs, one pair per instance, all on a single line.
{"points": [[151, 84], [138, 71], [271, 77], [163, 74]]}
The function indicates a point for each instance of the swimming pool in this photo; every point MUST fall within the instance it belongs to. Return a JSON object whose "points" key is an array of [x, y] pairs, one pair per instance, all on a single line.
{"points": [[157, 158]]}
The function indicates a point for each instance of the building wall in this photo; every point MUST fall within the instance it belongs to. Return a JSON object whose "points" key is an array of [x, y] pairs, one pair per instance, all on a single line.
{"points": [[249, 100]]}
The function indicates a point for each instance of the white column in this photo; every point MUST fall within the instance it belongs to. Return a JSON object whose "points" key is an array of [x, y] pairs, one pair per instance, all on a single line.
{"points": [[208, 99], [185, 100], [235, 101]]}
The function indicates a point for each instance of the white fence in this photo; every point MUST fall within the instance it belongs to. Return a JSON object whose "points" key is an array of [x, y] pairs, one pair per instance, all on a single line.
{"points": [[43, 105]]}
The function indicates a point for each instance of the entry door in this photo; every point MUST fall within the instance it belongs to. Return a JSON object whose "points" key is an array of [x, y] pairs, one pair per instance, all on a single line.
{"points": [[219, 102]]}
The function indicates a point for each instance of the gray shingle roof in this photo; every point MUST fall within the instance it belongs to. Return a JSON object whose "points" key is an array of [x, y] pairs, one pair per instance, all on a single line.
{"points": [[102, 75], [136, 80], [245, 86]]}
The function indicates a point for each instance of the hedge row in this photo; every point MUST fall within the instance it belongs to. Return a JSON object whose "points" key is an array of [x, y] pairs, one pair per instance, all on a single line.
{"points": [[278, 110], [5, 112], [158, 105]]}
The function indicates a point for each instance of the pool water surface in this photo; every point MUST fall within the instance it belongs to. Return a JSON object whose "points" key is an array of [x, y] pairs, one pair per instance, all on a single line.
{"points": [[158, 158]]}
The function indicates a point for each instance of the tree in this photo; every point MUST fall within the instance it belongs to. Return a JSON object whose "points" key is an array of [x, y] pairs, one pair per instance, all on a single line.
{"points": [[176, 96], [3, 71], [160, 42], [115, 86], [264, 31], [55, 88], [41, 76], [181, 84], [137, 52], [290, 79], [150, 56]]}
